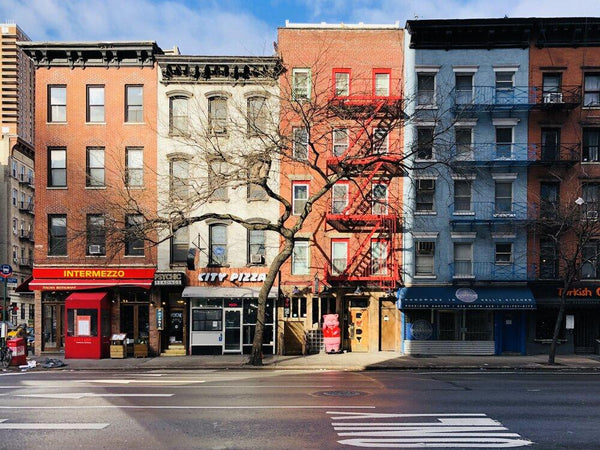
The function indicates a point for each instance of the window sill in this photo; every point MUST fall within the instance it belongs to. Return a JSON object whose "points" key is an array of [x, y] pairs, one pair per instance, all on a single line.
{"points": [[463, 213], [250, 200], [134, 256], [56, 188], [135, 188], [549, 341], [425, 213], [590, 162], [96, 188], [211, 200], [425, 277], [95, 256], [428, 161], [57, 256], [134, 123], [431, 106], [95, 123], [57, 123]]}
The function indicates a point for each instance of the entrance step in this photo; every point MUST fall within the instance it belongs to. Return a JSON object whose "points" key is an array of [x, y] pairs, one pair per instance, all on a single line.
{"points": [[174, 350]]}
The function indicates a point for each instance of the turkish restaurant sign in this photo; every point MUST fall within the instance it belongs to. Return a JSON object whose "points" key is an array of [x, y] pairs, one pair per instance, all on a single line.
{"points": [[94, 273], [580, 292]]}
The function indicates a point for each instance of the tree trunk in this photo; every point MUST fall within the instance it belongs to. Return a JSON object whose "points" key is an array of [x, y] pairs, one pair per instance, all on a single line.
{"points": [[557, 325], [256, 355]]}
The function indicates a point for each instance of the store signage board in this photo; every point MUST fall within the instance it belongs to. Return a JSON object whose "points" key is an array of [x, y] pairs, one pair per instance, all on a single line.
{"points": [[160, 319], [237, 277], [168, 279]]}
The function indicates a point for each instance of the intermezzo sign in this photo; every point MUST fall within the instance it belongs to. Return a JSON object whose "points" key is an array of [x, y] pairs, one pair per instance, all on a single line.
{"points": [[238, 277]]}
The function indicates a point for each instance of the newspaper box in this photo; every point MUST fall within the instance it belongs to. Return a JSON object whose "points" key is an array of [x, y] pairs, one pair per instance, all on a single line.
{"points": [[118, 347], [17, 346]]}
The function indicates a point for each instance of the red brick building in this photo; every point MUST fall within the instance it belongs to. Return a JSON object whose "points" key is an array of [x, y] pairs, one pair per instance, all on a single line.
{"points": [[95, 148], [564, 135], [347, 255]]}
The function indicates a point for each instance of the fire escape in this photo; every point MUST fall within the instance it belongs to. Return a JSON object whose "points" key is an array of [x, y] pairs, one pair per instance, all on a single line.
{"points": [[369, 211]]}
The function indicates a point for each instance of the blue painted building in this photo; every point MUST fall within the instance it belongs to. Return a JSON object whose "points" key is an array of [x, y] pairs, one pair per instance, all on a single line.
{"points": [[465, 242]]}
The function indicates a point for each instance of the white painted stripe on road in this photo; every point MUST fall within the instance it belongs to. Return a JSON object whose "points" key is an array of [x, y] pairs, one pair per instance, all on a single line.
{"points": [[253, 386], [361, 415], [4, 425], [419, 443], [75, 395], [182, 407], [126, 381]]}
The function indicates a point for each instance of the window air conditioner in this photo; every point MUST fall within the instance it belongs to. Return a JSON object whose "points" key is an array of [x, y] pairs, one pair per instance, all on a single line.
{"points": [[427, 185], [95, 249], [591, 215], [256, 259], [553, 97]]}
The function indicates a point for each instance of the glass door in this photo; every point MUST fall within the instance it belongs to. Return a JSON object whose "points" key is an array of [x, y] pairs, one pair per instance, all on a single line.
{"points": [[233, 330]]}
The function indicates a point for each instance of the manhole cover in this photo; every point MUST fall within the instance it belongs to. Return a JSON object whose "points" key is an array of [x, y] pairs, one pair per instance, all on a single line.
{"points": [[341, 393]]}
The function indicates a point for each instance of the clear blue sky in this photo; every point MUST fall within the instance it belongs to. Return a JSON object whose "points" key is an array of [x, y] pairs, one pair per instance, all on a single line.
{"points": [[245, 27]]}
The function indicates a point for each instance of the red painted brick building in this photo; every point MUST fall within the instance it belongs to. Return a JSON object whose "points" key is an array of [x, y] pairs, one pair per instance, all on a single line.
{"points": [[95, 148], [347, 255]]}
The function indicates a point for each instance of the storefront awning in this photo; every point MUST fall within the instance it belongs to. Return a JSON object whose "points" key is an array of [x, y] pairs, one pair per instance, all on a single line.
{"points": [[465, 298], [61, 284], [224, 292]]}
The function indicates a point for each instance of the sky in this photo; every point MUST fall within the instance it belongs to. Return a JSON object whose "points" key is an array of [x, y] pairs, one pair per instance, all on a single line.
{"points": [[245, 27]]}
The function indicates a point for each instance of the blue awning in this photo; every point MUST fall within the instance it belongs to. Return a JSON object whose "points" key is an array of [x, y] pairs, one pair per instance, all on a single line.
{"points": [[465, 298]]}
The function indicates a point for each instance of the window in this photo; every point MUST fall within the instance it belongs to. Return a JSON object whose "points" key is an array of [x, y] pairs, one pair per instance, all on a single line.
{"points": [[57, 167], [134, 238], [551, 88], [300, 144], [14, 169], [550, 144], [464, 142], [591, 145], [340, 141], [299, 197], [548, 259], [425, 89], [179, 245], [22, 174], [339, 197], [298, 307], [300, 258], [134, 104], [379, 257], [379, 199], [339, 256], [504, 80], [178, 179], [218, 245], [424, 143], [96, 235], [503, 197], [463, 260], [462, 196], [382, 84], [178, 116], [342, 82], [57, 234], [217, 170], [545, 320], [134, 166], [217, 115], [591, 196], [255, 190], [589, 267], [424, 258], [549, 199], [380, 141], [94, 167], [300, 84], [504, 138], [504, 253], [425, 195], [207, 319], [15, 225], [464, 88], [15, 195], [95, 104], [591, 89], [257, 115], [256, 246], [57, 103]]}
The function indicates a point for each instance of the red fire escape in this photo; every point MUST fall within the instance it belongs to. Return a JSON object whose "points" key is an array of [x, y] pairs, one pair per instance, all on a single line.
{"points": [[372, 220]]}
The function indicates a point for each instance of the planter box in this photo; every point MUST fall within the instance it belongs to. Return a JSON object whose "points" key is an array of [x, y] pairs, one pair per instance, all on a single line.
{"points": [[118, 351], [140, 350]]}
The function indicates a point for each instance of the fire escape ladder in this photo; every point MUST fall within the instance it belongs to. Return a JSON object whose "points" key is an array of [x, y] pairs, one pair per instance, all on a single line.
{"points": [[362, 246], [363, 129], [361, 189]]}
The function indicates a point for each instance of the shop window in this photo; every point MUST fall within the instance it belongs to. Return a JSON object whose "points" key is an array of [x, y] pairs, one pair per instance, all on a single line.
{"points": [[94, 167], [217, 115], [299, 197], [135, 321], [82, 322], [256, 247], [545, 320], [426, 89], [178, 179], [95, 104], [134, 236], [134, 104], [591, 89], [134, 166], [96, 235], [320, 307], [218, 245], [425, 195], [424, 258], [57, 234], [478, 325], [178, 116], [300, 83], [300, 144], [207, 319], [591, 145], [340, 141], [418, 324], [179, 245], [57, 103], [448, 325], [424, 143], [339, 197], [57, 167], [301, 258], [257, 114]]}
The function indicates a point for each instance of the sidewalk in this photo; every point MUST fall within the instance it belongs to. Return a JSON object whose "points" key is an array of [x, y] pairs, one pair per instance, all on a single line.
{"points": [[322, 361]]}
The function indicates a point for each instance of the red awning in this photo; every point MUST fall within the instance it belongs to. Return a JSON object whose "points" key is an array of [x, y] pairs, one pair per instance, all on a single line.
{"points": [[24, 286], [61, 284]]}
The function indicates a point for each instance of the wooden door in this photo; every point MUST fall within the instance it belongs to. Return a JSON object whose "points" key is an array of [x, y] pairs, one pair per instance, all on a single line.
{"points": [[388, 326], [359, 330]]}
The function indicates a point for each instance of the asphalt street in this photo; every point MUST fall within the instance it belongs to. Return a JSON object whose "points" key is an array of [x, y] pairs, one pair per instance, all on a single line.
{"points": [[299, 409]]}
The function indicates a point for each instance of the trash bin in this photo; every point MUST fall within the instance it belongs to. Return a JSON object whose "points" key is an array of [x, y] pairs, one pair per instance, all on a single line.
{"points": [[17, 346]]}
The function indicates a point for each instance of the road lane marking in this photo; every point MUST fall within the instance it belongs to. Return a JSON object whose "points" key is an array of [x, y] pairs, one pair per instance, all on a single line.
{"points": [[75, 395], [2, 406], [375, 430], [263, 386], [126, 381], [4, 425]]}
